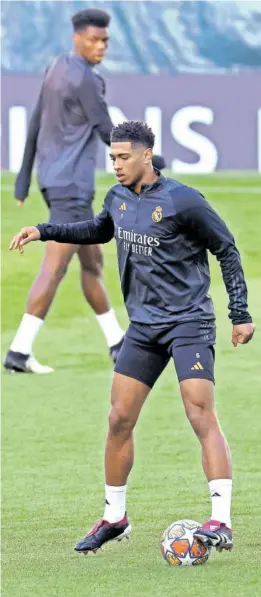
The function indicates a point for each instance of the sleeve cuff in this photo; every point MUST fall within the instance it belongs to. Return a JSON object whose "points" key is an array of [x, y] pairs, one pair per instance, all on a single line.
{"points": [[41, 228], [238, 319]]}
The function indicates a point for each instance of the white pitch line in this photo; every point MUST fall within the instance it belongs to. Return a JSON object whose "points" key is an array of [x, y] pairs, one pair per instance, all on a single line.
{"points": [[212, 189]]}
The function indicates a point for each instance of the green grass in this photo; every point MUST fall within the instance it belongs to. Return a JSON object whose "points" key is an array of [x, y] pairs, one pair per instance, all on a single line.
{"points": [[54, 429]]}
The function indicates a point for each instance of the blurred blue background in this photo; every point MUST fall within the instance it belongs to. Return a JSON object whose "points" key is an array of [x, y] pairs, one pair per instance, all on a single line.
{"points": [[146, 37]]}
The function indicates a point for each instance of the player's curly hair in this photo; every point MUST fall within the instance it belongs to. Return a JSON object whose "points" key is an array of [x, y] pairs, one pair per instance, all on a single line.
{"points": [[135, 131], [94, 17]]}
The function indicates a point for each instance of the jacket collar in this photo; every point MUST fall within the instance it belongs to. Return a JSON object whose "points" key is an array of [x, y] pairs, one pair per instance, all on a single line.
{"points": [[147, 188], [150, 188]]}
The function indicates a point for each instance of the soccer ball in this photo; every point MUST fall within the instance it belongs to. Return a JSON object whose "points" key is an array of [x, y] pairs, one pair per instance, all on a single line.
{"points": [[179, 546]]}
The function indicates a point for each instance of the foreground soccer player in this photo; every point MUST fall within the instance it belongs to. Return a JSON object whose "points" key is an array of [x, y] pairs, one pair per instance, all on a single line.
{"points": [[163, 231]]}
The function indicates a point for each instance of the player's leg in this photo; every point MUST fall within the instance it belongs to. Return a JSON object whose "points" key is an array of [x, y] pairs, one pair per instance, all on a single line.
{"points": [[197, 391], [91, 262], [127, 398], [138, 367], [56, 259], [54, 267]]}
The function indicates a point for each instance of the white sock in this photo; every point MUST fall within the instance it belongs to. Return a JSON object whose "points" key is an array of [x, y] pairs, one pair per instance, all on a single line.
{"points": [[221, 493], [110, 327], [26, 333], [115, 506]]}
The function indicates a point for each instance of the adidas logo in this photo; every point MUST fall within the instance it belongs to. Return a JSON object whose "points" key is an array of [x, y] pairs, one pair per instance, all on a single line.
{"points": [[123, 206], [197, 366]]}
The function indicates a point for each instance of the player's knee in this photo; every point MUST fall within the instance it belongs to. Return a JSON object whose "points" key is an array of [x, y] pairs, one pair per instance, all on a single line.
{"points": [[195, 415], [94, 268], [120, 422], [54, 271], [201, 418], [198, 398], [94, 265]]}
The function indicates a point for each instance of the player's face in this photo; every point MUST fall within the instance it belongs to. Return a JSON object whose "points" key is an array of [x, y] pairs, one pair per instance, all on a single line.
{"points": [[92, 43], [129, 162]]}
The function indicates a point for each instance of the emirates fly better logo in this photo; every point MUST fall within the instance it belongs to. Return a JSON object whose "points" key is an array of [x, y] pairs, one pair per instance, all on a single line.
{"points": [[141, 244]]}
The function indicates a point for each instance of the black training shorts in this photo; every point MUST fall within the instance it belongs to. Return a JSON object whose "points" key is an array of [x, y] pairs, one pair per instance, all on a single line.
{"points": [[147, 350], [66, 211]]}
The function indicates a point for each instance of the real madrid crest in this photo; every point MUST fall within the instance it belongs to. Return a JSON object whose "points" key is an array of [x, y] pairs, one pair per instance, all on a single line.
{"points": [[157, 214]]}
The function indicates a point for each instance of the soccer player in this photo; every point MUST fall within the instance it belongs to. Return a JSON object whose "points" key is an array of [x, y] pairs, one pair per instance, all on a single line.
{"points": [[163, 231], [69, 117]]}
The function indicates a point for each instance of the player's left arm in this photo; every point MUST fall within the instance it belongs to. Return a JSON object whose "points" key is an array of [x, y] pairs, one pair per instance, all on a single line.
{"points": [[97, 230], [209, 228]]}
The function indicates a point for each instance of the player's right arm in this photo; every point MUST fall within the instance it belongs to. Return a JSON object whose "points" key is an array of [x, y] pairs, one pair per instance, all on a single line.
{"points": [[23, 180], [98, 230]]}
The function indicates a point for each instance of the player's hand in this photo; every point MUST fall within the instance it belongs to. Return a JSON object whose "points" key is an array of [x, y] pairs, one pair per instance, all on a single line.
{"points": [[25, 236], [20, 203], [242, 333]]}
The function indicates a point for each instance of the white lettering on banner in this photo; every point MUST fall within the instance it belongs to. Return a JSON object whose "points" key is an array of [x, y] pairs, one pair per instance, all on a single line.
{"points": [[259, 140], [17, 136], [201, 145], [180, 129]]}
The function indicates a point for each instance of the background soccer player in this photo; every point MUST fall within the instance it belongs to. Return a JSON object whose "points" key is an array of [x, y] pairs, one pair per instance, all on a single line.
{"points": [[70, 115], [163, 230]]}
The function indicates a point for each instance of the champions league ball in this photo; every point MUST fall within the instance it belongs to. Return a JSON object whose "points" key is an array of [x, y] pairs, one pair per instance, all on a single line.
{"points": [[179, 546]]}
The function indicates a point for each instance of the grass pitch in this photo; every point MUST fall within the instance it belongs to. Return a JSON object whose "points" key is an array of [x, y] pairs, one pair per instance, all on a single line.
{"points": [[54, 428]]}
